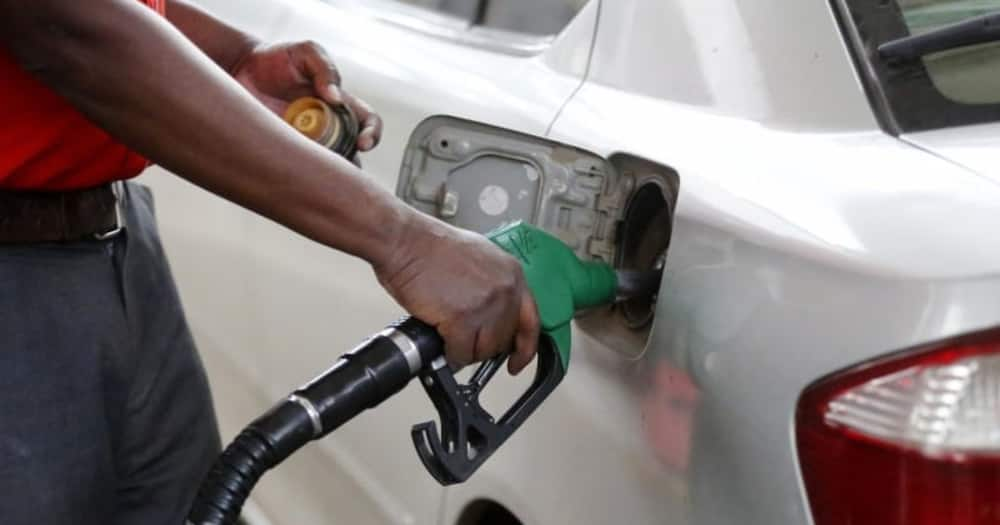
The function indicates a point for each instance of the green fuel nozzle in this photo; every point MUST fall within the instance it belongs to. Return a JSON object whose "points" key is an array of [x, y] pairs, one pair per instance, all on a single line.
{"points": [[384, 364], [561, 283]]}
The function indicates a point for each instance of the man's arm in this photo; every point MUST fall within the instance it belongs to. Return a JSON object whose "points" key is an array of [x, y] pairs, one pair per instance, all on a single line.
{"points": [[224, 44], [145, 83]]}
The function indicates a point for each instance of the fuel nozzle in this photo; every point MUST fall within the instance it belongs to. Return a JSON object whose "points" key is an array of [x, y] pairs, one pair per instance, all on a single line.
{"points": [[562, 285]]}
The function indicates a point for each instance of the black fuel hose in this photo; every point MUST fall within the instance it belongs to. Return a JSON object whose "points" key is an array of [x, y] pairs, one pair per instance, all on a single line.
{"points": [[361, 379]]}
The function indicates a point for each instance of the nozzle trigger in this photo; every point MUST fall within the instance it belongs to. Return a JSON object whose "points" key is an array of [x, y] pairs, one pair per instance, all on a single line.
{"points": [[469, 434]]}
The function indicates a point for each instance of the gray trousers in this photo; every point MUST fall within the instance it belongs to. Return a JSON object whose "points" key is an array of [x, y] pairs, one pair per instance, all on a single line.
{"points": [[105, 411]]}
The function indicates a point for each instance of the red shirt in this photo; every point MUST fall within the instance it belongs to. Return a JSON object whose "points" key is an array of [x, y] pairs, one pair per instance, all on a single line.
{"points": [[46, 144]]}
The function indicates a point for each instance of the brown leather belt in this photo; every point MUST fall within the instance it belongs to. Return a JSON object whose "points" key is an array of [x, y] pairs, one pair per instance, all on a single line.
{"points": [[59, 216]]}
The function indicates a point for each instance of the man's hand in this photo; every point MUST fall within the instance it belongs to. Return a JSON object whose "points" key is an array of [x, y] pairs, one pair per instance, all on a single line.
{"points": [[470, 290], [280, 73], [275, 74]]}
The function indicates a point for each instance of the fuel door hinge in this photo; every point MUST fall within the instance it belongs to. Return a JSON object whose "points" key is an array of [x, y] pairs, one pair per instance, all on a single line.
{"points": [[610, 212]]}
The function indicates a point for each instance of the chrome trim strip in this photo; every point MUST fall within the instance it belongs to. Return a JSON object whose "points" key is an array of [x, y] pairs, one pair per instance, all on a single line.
{"points": [[439, 363], [407, 346], [310, 409]]}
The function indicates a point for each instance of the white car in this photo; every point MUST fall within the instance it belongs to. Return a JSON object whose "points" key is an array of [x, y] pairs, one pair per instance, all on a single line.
{"points": [[823, 346]]}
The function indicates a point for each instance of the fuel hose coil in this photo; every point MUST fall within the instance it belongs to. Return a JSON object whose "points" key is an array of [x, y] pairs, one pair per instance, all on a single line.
{"points": [[359, 380]]}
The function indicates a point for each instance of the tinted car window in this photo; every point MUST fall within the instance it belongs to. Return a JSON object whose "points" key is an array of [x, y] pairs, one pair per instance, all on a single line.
{"points": [[954, 87], [968, 75]]}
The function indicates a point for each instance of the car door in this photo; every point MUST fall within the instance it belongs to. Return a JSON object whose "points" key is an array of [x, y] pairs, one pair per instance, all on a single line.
{"points": [[270, 309]]}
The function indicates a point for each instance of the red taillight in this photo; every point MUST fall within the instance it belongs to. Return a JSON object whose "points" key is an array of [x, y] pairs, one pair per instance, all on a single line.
{"points": [[910, 439]]}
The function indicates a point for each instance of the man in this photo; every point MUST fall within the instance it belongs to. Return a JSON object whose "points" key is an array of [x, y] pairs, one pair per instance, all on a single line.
{"points": [[105, 414]]}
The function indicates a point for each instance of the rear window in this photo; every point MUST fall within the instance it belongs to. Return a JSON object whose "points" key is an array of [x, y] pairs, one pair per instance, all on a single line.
{"points": [[949, 88], [968, 75]]}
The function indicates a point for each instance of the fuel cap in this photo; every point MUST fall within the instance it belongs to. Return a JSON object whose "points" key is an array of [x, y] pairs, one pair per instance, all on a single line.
{"points": [[333, 127]]}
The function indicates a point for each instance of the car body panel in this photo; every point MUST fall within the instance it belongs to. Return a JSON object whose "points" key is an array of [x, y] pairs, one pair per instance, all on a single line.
{"points": [[411, 76], [781, 270], [805, 240], [863, 200], [777, 63]]}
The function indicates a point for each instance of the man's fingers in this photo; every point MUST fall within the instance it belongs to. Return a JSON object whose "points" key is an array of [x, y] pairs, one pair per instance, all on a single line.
{"points": [[315, 66], [460, 344], [331, 93], [497, 337], [371, 133], [528, 331], [369, 121]]}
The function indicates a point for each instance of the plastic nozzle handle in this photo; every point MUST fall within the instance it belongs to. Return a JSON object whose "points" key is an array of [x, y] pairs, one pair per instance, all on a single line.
{"points": [[560, 282]]}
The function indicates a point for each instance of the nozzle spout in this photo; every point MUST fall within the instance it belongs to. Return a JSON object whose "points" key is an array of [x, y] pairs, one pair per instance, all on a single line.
{"points": [[637, 283]]}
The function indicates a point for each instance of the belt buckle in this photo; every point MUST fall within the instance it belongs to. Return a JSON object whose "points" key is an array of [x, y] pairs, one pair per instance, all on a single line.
{"points": [[117, 188]]}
